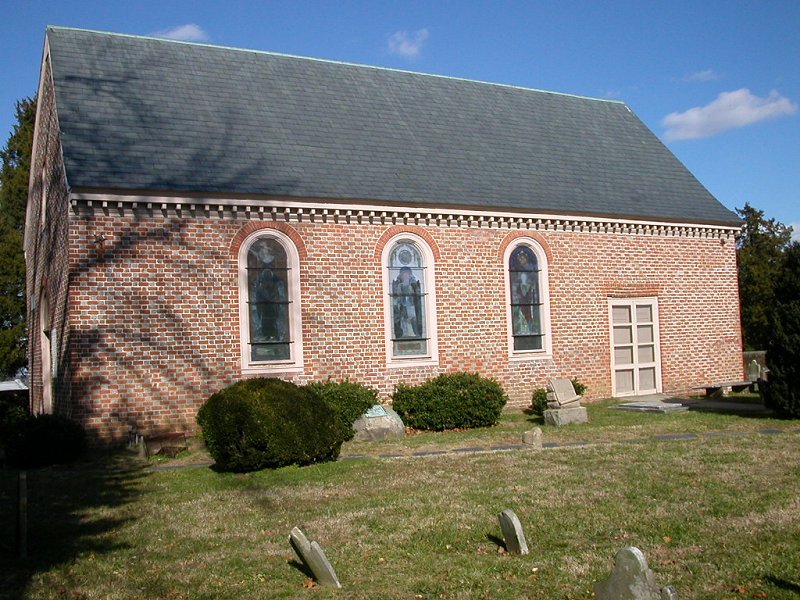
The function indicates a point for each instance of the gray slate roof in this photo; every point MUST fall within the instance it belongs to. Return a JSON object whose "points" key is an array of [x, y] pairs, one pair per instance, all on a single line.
{"points": [[157, 115]]}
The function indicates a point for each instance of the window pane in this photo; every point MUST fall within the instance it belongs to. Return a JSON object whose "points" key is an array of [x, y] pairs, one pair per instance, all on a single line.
{"points": [[647, 379], [526, 309], [624, 381], [407, 295], [405, 254], [268, 287], [263, 352], [529, 342], [646, 354], [623, 355], [410, 348], [623, 335], [621, 314], [644, 313], [408, 310], [645, 334]]}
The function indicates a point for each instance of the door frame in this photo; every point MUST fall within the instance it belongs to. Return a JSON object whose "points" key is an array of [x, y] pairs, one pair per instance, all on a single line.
{"points": [[651, 301]]}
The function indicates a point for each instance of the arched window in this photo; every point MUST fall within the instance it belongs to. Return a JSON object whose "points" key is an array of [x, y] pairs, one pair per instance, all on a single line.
{"points": [[270, 303], [410, 302], [526, 265]]}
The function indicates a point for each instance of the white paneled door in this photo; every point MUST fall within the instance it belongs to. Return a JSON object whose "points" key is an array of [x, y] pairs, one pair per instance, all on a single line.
{"points": [[635, 353]]}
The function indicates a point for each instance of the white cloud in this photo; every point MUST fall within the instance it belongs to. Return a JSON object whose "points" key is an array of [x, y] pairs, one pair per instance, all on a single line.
{"points": [[184, 33], [408, 45], [706, 75], [729, 111], [795, 231]]}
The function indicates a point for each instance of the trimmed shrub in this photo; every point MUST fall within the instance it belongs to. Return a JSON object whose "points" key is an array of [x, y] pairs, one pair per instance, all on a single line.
{"points": [[451, 401], [349, 400], [580, 387], [268, 423], [539, 401], [42, 440], [782, 391]]}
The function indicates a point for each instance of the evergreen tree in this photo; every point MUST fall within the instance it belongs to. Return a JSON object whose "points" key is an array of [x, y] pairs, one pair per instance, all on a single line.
{"points": [[16, 161], [760, 254], [783, 350]]}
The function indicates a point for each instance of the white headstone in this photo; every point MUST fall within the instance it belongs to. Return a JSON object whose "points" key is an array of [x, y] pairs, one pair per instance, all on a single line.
{"points": [[631, 579], [314, 558], [512, 532]]}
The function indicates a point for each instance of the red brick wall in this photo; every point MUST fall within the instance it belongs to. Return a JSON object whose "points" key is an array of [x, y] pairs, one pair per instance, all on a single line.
{"points": [[154, 310]]}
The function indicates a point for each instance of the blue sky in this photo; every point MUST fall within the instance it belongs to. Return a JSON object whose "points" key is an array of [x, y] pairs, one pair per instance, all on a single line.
{"points": [[717, 81]]}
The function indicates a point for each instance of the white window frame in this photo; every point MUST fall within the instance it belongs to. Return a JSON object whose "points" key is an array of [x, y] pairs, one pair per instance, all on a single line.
{"points": [[294, 364], [544, 292], [432, 356]]}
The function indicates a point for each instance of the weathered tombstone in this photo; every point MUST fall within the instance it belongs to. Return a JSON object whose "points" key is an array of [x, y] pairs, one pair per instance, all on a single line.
{"points": [[512, 532], [669, 593], [314, 558], [754, 371], [378, 423], [565, 416], [563, 404], [631, 579], [533, 438]]}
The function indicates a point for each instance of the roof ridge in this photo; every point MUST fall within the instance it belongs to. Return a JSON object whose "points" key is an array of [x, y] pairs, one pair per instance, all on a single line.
{"points": [[335, 62]]}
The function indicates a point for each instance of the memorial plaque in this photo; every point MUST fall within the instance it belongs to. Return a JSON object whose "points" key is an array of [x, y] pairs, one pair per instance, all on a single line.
{"points": [[376, 411]]}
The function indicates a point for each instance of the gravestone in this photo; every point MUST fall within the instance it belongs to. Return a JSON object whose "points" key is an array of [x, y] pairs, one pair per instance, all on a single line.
{"points": [[512, 532], [563, 404], [631, 579], [378, 423], [533, 438], [565, 416], [314, 558]]}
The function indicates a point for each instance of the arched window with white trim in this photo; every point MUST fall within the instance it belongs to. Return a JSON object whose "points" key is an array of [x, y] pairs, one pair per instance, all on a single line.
{"points": [[527, 293], [410, 303], [269, 292]]}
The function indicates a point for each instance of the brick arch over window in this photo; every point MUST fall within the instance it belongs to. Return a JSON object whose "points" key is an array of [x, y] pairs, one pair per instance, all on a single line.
{"points": [[251, 228], [400, 229], [509, 239]]}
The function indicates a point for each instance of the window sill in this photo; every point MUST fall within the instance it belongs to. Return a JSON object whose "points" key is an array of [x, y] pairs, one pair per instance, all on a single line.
{"points": [[272, 369], [530, 356], [412, 363]]}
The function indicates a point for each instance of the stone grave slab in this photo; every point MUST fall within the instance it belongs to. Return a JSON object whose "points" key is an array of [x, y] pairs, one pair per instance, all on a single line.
{"points": [[631, 579], [512, 532], [565, 416], [652, 406], [314, 558], [533, 438]]}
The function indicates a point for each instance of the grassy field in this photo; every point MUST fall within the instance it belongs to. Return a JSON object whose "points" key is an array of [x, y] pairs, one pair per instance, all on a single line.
{"points": [[717, 516]]}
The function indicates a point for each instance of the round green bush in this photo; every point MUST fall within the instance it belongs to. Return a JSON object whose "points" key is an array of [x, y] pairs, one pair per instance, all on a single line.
{"points": [[539, 401], [450, 401], [42, 440], [349, 400], [268, 423]]}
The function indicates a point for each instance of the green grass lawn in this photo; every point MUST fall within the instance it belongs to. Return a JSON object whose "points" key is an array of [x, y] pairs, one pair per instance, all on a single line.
{"points": [[717, 517]]}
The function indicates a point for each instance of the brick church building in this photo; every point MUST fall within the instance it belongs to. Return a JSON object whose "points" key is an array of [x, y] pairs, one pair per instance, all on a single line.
{"points": [[202, 214]]}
